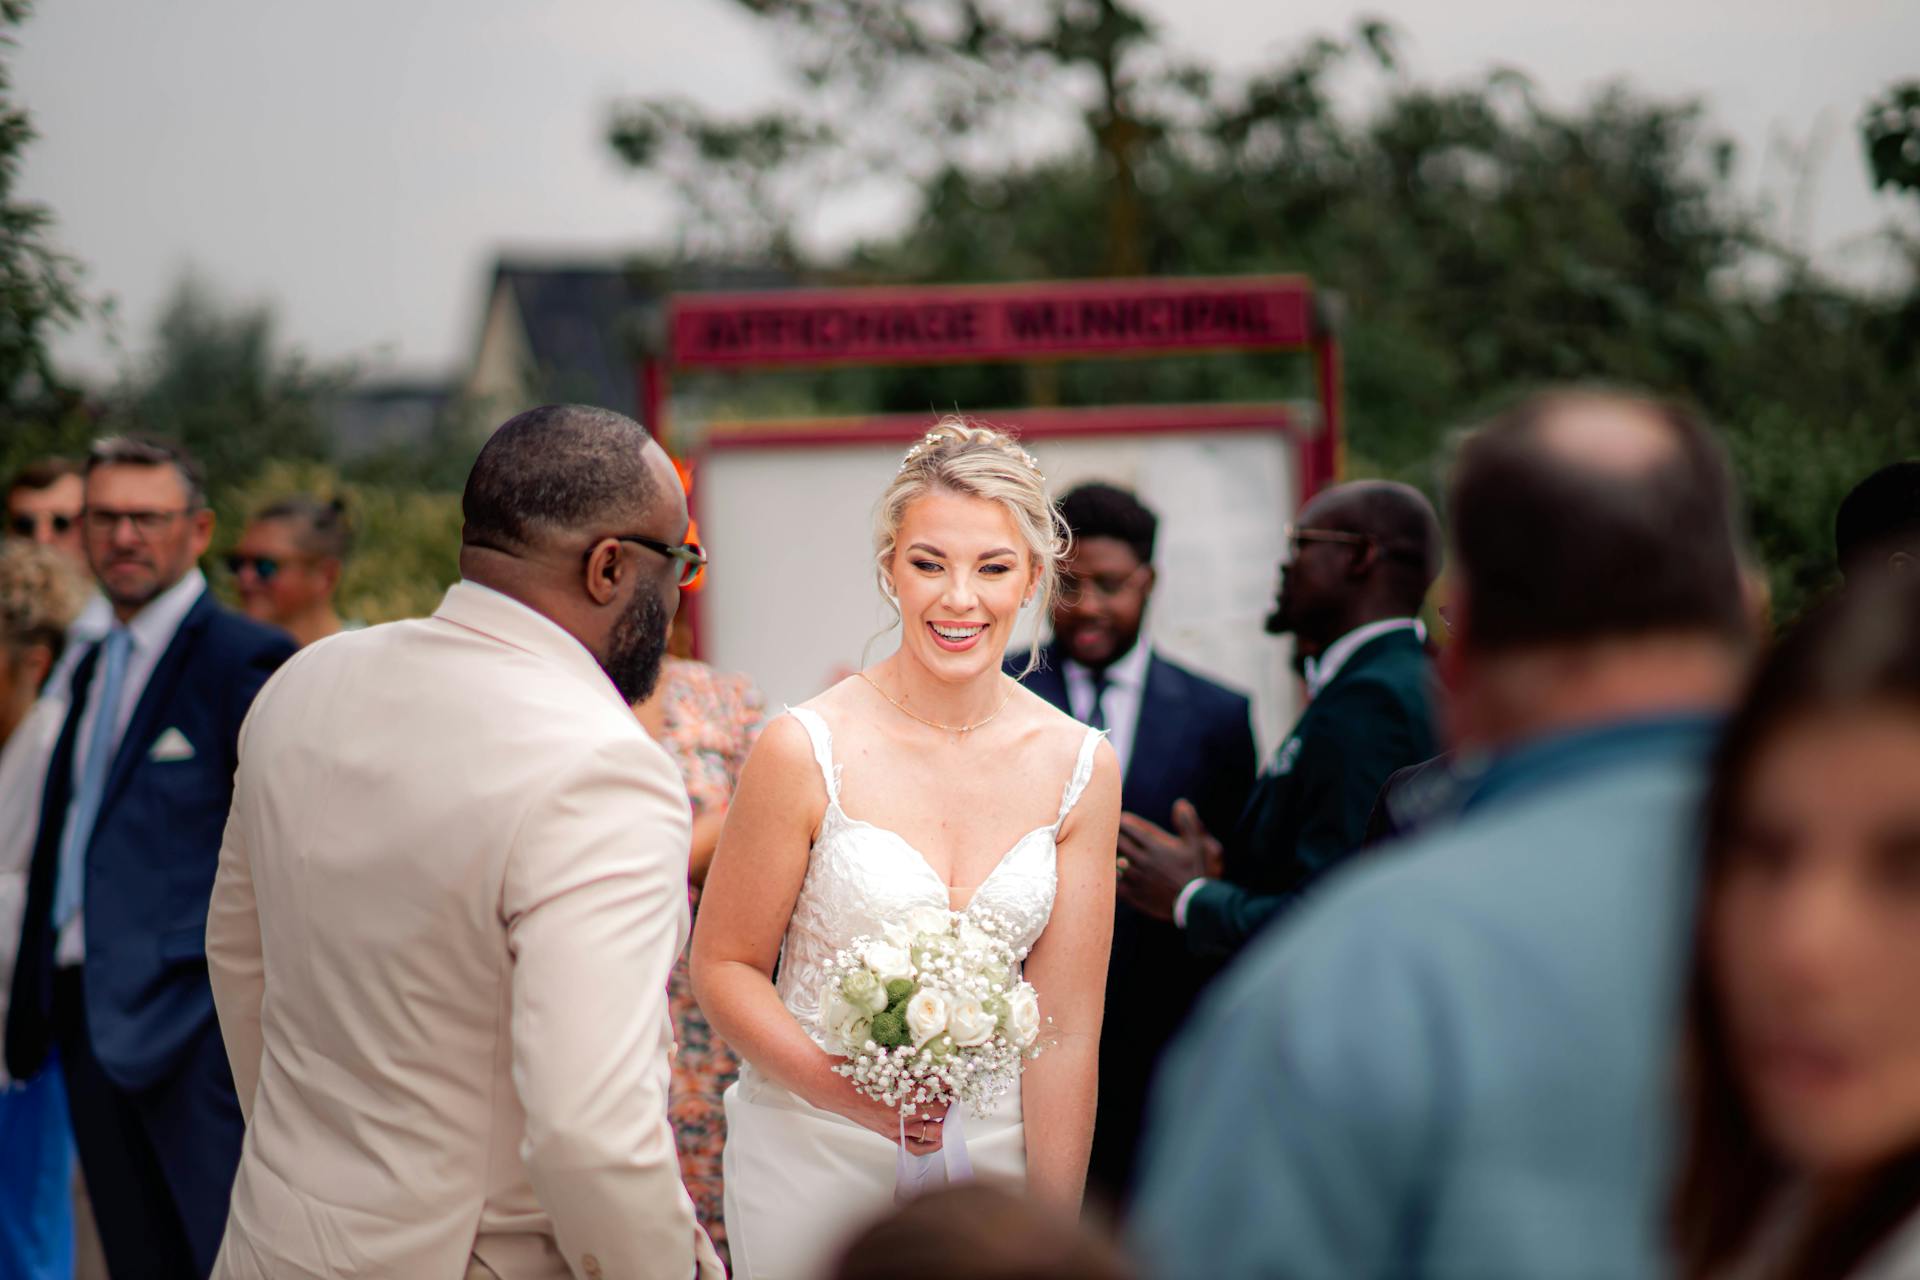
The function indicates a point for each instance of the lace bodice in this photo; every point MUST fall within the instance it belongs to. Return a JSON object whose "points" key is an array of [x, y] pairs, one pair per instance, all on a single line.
{"points": [[861, 877]]}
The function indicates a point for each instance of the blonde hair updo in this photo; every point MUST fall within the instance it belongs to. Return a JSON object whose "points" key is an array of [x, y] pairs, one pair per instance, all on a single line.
{"points": [[40, 596], [973, 460]]}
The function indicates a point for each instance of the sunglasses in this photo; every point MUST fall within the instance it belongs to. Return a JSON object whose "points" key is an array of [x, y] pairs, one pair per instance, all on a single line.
{"points": [[26, 524], [264, 567], [688, 558]]}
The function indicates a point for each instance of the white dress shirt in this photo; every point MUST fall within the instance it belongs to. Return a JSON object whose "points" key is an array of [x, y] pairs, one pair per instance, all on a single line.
{"points": [[89, 629], [1119, 701], [1320, 673], [1322, 670], [151, 631]]}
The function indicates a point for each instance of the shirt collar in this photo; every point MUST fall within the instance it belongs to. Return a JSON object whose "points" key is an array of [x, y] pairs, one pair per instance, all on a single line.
{"points": [[1129, 671], [1579, 752], [154, 626], [1322, 670]]}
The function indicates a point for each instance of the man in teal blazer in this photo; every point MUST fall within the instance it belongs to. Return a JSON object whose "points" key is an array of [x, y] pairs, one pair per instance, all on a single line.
{"points": [[1458, 1058], [1362, 559]]}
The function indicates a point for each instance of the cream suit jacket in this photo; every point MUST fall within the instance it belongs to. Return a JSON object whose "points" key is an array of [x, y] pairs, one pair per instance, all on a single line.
{"points": [[453, 883]]}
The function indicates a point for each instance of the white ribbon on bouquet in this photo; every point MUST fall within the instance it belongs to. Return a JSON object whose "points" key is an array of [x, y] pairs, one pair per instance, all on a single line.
{"points": [[949, 1166]]}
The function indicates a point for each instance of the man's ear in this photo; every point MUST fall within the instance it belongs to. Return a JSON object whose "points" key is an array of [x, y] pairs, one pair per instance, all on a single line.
{"points": [[1363, 563], [1902, 562], [606, 569]]}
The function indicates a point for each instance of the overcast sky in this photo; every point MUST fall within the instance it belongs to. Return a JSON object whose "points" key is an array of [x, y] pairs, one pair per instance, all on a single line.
{"points": [[358, 163]]}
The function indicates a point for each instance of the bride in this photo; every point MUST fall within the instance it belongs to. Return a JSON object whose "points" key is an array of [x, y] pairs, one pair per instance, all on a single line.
{"points": [[929, 778]]}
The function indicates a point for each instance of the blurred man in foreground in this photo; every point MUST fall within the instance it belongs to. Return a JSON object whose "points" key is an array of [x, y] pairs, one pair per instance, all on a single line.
{"points": [[1457, 1060], [111, 970], [1361, 561], [1181, 739], [287, 566], [453, 886]]}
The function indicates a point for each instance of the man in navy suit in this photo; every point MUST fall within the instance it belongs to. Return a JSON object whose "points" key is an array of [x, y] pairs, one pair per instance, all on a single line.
{"points": [[1181, 740], [112, 970]]}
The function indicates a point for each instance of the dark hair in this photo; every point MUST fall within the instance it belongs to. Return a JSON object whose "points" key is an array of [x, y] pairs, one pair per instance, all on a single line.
{"points": [[1555, 549], [1879, 515], [1861, 650], [323, 526], [979, 1231], [553, 469], [1097, 510], [42, 473], [151, 451]]}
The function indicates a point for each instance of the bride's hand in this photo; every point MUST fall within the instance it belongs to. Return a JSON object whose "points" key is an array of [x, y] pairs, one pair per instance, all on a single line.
{"points": [[924, 1124]]}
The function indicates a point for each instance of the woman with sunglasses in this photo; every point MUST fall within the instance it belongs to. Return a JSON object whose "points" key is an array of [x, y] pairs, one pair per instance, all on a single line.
{"points": [[1801, 1157], [287, 566]]}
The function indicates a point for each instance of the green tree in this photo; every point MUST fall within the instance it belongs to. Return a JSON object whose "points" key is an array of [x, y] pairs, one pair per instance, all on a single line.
{"points": [[1482, 240], [39, 290], [219, 384]]}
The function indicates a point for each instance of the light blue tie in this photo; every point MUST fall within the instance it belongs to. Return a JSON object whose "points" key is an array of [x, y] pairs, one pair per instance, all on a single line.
{"points": [[85, 810]]}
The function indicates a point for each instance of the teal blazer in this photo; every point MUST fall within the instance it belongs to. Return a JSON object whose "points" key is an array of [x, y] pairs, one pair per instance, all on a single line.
{"points": [[1309, 806]]}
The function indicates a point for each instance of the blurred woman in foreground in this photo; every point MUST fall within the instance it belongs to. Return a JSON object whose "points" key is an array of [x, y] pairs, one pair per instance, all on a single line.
{"points": [[1802, 1154]]}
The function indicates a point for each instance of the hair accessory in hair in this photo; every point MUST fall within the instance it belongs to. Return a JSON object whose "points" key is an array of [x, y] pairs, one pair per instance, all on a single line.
{"points": [[954, 432]]}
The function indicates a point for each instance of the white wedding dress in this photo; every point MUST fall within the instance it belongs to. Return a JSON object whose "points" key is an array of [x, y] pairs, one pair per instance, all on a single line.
{"points": [[800, 1180]]}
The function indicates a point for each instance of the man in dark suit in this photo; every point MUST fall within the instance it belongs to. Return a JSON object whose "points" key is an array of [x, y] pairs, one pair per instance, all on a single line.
{"points": [[1361, 561], [1182, 740], [112, 971]]}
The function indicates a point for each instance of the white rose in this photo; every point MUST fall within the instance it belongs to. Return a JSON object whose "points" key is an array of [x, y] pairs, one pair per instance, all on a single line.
{"points": [[969, 1024], [897, 934], [926, 1015], [1023, 1016], [887, 961], [974, 938], [854, 1032], [934, 920], [834, 1008]]}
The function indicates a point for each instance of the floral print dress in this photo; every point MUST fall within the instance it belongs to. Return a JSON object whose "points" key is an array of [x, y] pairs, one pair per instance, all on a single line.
{"points": [[711, 722]]}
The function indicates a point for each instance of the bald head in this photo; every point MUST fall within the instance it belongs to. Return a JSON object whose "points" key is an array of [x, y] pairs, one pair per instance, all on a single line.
{"points": [[1581, 516], [560, 472], [1404, 530], [562, 509]]}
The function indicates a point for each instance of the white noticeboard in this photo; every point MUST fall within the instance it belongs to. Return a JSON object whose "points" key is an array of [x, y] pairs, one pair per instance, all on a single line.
{"points": [[791, 598]]}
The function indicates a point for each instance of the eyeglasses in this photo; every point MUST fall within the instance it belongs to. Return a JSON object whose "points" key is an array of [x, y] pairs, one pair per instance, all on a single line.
{"points": [[1107, 586], [264, 567], [687, 555], [28, 523], [145, 523], [1296, 536]]}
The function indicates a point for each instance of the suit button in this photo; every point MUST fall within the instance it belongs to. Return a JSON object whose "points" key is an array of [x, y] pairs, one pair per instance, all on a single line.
{"points": [[591, 1265]]}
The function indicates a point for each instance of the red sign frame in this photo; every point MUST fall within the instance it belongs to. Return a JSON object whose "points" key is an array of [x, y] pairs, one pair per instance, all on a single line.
{"points": [[999, 323]]}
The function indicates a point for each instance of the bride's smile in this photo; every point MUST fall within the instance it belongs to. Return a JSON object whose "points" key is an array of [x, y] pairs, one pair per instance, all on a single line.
{"points": [[961, 576]]}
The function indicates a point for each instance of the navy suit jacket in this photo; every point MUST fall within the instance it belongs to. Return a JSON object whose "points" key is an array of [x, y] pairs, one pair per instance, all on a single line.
{"points": [[151, 861], [1194, 741]]}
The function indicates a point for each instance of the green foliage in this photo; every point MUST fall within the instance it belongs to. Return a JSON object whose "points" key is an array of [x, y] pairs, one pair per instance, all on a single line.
{"points": [[1481, 241], [38, 285], [889, 1029], [218, 384]]}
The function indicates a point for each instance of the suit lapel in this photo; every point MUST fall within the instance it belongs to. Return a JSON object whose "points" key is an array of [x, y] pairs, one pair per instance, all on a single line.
{"points": [[1156, 734], [155, 698], [1047, 681]]}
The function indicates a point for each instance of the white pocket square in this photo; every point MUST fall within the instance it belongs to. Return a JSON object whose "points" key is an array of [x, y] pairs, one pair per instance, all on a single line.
{"points": [[171, 745]]}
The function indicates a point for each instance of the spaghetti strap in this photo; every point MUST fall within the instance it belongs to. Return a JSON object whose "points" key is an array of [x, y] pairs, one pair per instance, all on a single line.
{"points": [[1082, 774], [822, 739]]}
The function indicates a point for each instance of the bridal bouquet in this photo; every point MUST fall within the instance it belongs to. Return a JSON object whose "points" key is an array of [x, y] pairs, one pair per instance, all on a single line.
{"points": [[931, 1011]]}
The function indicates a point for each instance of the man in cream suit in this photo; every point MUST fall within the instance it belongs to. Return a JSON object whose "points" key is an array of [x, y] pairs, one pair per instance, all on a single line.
{"points": [[452, 887]]}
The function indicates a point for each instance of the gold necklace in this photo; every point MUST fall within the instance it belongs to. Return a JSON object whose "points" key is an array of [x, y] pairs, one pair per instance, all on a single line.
{"points": [[962, 730]]}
